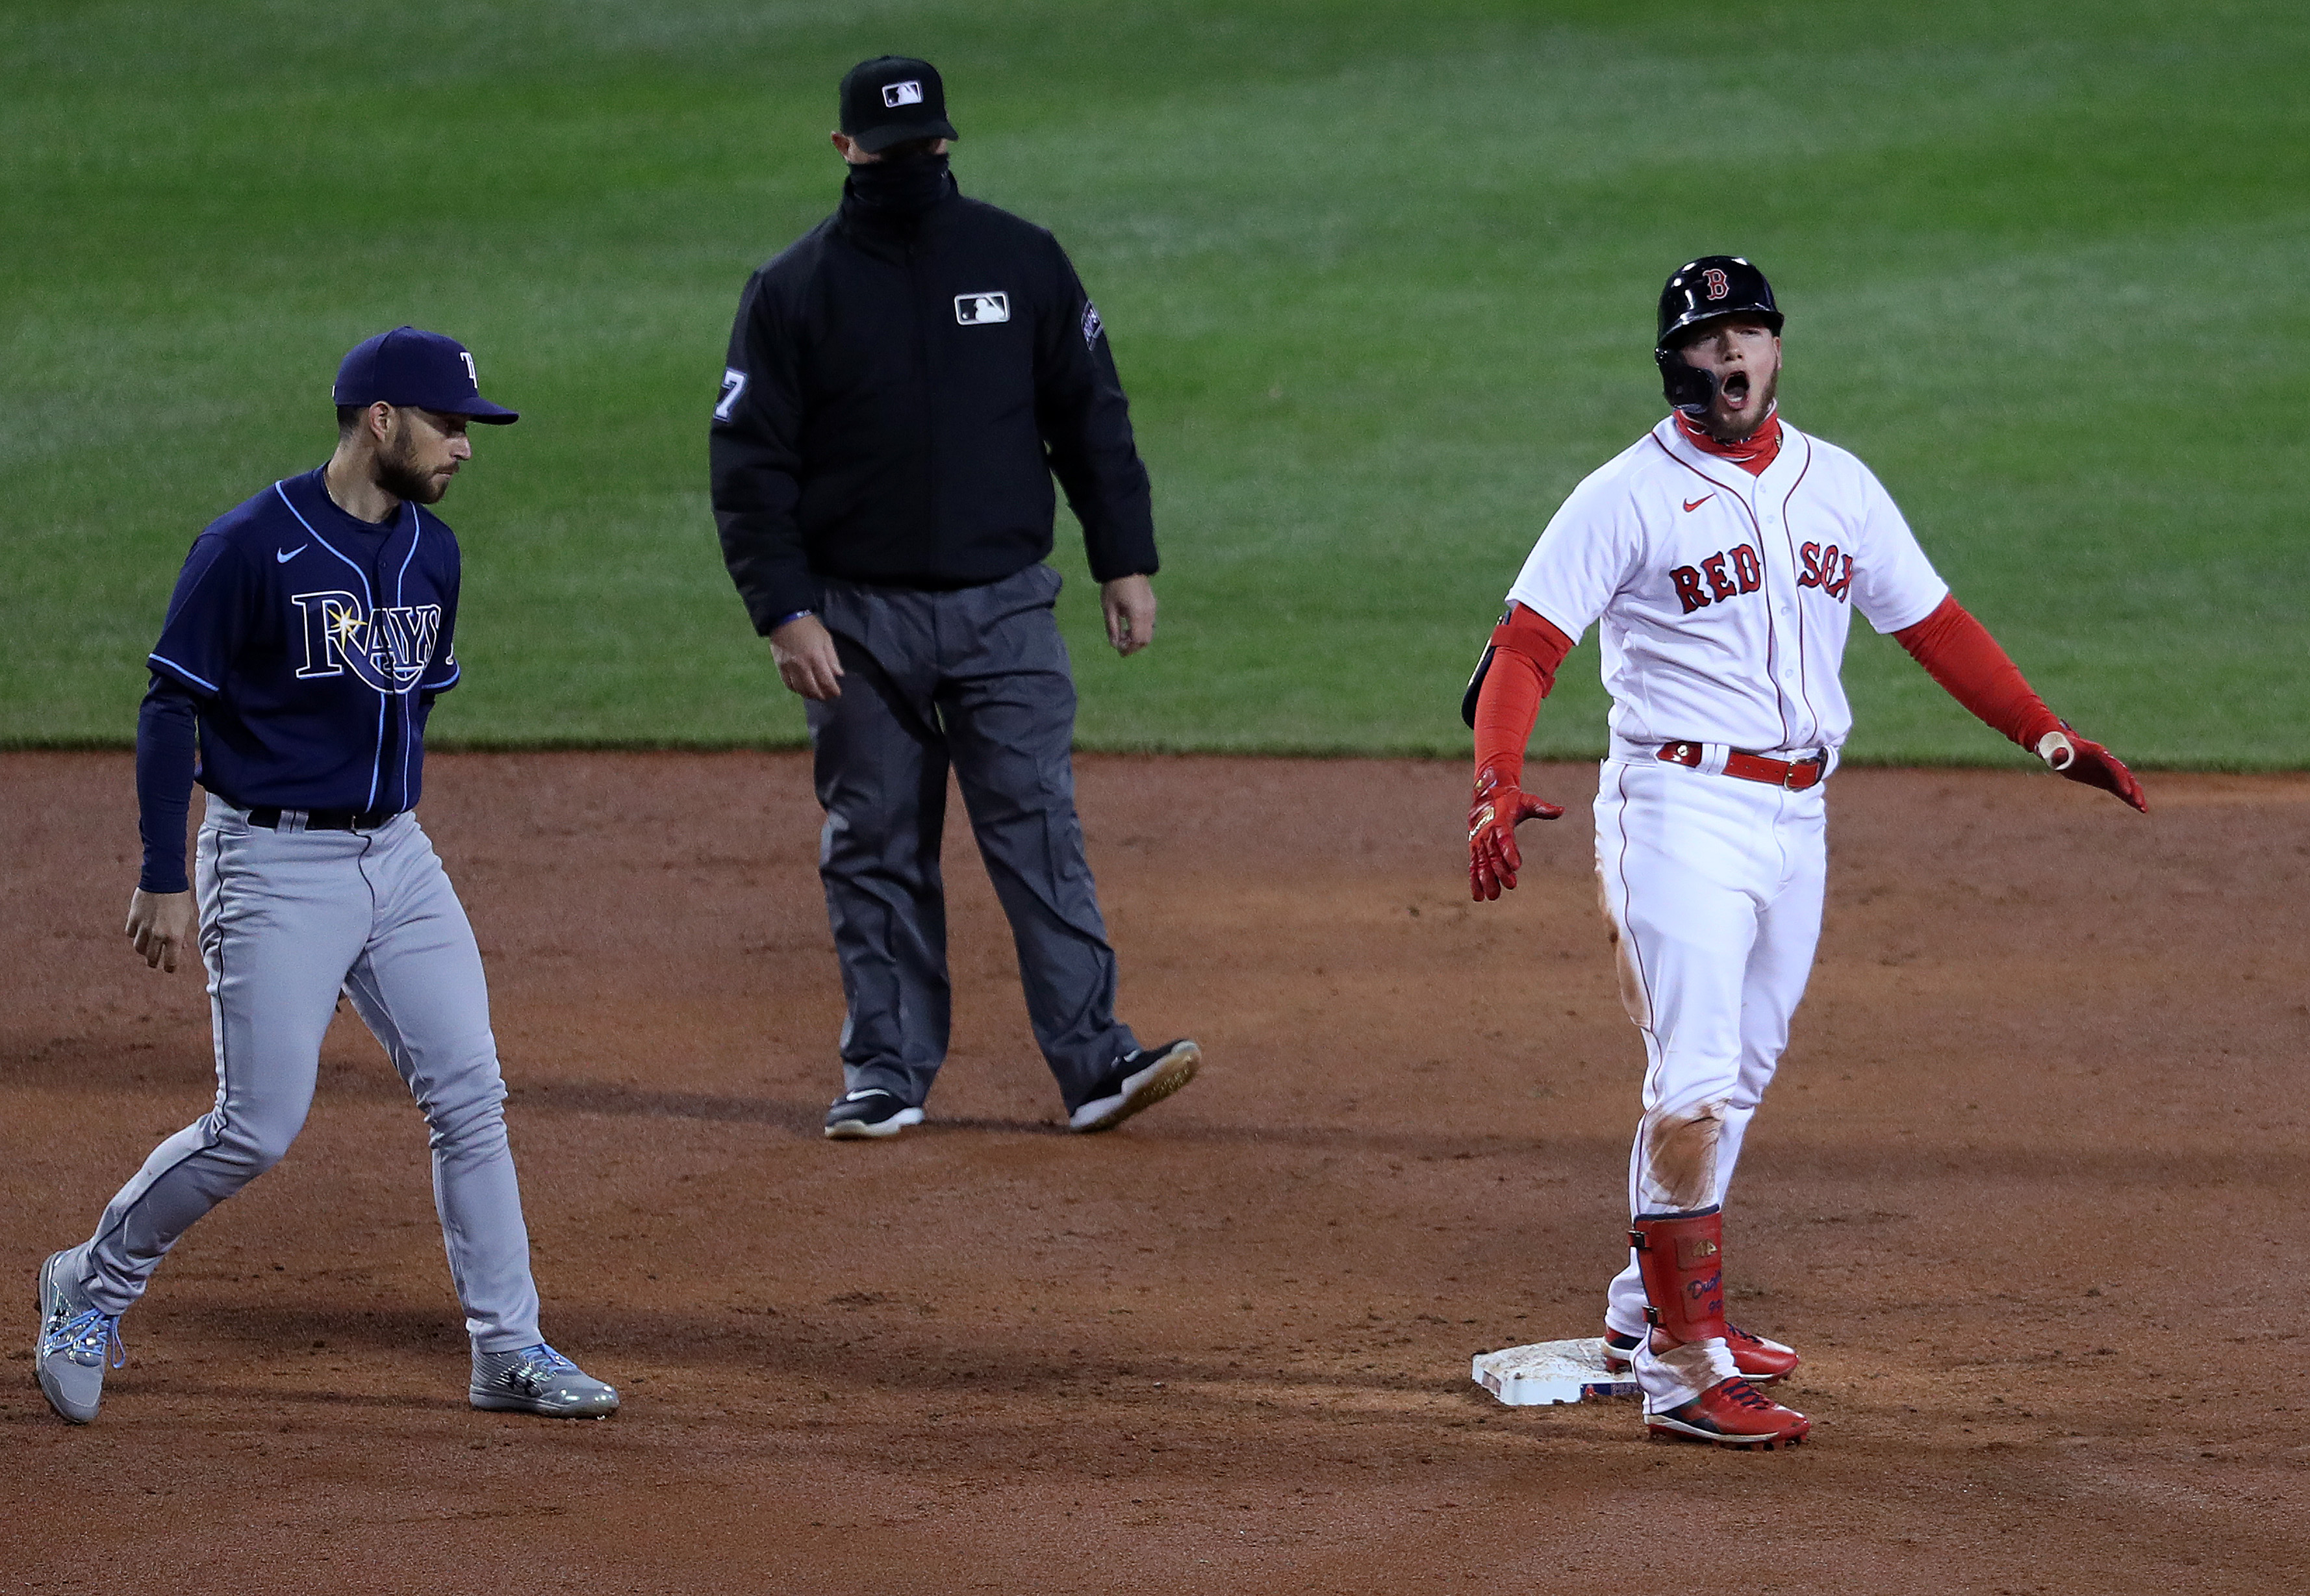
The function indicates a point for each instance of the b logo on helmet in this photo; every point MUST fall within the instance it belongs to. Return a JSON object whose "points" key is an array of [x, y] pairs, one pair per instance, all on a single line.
{"points": [[1717, 284]]}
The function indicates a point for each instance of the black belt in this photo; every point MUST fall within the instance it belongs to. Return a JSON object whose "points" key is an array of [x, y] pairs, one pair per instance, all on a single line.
{"points": [[324, 820]]}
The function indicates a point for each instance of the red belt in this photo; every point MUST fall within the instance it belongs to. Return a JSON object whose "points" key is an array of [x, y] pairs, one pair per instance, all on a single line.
{"points": [[1795, 775]]}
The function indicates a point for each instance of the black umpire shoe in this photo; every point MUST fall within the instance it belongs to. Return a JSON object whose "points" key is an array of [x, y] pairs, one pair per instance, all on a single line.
{"points": [[870, 1113], [1138, 1080]]}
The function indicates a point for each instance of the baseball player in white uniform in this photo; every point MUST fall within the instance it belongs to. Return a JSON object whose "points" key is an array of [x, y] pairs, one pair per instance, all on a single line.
{"points": [[1722, 557]]}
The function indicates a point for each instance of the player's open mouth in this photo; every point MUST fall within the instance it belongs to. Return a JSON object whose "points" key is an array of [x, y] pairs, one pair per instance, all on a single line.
{"points": [[1736, 387]]}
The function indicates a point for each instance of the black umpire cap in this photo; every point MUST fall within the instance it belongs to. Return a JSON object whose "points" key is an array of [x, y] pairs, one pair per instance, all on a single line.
{"points": [[892, 99]]}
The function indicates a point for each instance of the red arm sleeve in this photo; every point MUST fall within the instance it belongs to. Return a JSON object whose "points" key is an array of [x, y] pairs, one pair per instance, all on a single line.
{"points": [[1525, 652], [1958, 651]]}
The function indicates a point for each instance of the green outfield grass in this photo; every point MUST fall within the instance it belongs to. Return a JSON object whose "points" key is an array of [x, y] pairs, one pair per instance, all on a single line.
{"points": [[1379, 277]]}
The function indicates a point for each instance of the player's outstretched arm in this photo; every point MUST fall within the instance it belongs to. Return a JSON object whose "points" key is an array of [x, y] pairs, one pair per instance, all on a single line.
{"points": [[1958, 651], [1519, 669], [1497, 809], [2080, 759]]}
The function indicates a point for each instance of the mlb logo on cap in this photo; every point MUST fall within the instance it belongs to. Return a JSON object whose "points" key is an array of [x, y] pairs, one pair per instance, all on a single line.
{"points": [[894, 100]]}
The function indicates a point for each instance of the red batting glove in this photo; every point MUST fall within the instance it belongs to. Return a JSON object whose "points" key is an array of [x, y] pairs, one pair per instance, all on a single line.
{"points": [[1497, 809], [2073, 756]]}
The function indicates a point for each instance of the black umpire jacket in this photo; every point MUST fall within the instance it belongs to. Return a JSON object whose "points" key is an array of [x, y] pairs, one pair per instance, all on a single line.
{"points": [[897, 401]]}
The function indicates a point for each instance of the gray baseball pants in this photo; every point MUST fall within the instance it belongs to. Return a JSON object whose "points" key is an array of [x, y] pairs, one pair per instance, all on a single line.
{"points": [[288, 918], [975, 678]]}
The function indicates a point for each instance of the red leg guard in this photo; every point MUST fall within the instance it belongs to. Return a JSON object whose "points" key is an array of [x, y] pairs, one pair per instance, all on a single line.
{"points": [[1682, 1258]]}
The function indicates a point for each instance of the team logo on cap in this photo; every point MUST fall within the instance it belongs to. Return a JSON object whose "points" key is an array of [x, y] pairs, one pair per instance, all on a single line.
{"points": [[973, 311], [895, 95], [1718, 284]]}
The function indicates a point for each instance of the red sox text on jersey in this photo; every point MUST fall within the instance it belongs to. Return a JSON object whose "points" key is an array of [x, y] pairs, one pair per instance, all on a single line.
{"points": [[1722, 599], [1698, 587]]}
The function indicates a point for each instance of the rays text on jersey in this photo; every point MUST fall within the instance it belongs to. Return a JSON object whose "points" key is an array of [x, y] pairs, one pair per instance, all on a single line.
{"points": [[388, 647]]}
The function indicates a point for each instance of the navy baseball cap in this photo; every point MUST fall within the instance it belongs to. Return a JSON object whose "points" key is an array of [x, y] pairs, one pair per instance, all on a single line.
{"points": [[425, 370], [892, 99]]}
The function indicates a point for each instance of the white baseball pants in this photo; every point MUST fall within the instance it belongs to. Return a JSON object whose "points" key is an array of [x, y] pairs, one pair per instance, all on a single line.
{"points": [[1713, 885]]}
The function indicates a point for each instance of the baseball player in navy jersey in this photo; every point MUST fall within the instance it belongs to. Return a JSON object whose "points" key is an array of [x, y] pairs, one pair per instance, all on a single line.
{"points": [[309, 634], [1722, 557]]}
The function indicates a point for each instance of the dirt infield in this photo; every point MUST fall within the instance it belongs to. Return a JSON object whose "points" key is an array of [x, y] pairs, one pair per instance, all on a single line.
{"points": [[2028, 1194]]}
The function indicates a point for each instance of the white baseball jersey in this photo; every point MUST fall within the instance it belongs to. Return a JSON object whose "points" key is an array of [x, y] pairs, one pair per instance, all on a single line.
{"points": [[1725, 599]]}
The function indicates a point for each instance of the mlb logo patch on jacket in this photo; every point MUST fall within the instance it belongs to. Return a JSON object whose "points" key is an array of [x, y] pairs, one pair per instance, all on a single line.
{"points": [[977, 309]]}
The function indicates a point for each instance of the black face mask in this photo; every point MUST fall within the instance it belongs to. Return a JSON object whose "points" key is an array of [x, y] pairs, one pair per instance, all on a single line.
{"points": [[900, 190]]}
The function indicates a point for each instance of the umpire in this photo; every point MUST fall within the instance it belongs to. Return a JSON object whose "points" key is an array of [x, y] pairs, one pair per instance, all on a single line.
{"points": [[903, 383]]}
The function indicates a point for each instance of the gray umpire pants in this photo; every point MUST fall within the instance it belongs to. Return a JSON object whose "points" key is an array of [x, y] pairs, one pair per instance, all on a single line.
{"points": [[288, 918], [975, 678]]}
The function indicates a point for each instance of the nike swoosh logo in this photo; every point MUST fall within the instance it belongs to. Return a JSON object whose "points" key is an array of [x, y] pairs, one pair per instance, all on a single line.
{"points": [[1693, 504], [283, 556]]}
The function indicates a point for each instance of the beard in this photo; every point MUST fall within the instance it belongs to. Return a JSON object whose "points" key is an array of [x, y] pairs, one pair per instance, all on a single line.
{"points": [[1761, 393], [398, 474]]}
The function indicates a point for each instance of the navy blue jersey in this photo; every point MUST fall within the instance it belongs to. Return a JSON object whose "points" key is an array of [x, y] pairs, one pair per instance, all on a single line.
{"points": [[313, 643]]}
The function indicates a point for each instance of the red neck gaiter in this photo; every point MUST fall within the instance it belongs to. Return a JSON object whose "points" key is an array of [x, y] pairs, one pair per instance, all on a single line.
{"points": [[1752, 453]]}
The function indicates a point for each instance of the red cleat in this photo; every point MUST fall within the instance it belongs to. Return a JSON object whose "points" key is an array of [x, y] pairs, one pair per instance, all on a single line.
{"points": [[1760, 1361], [1732, 1414]]}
